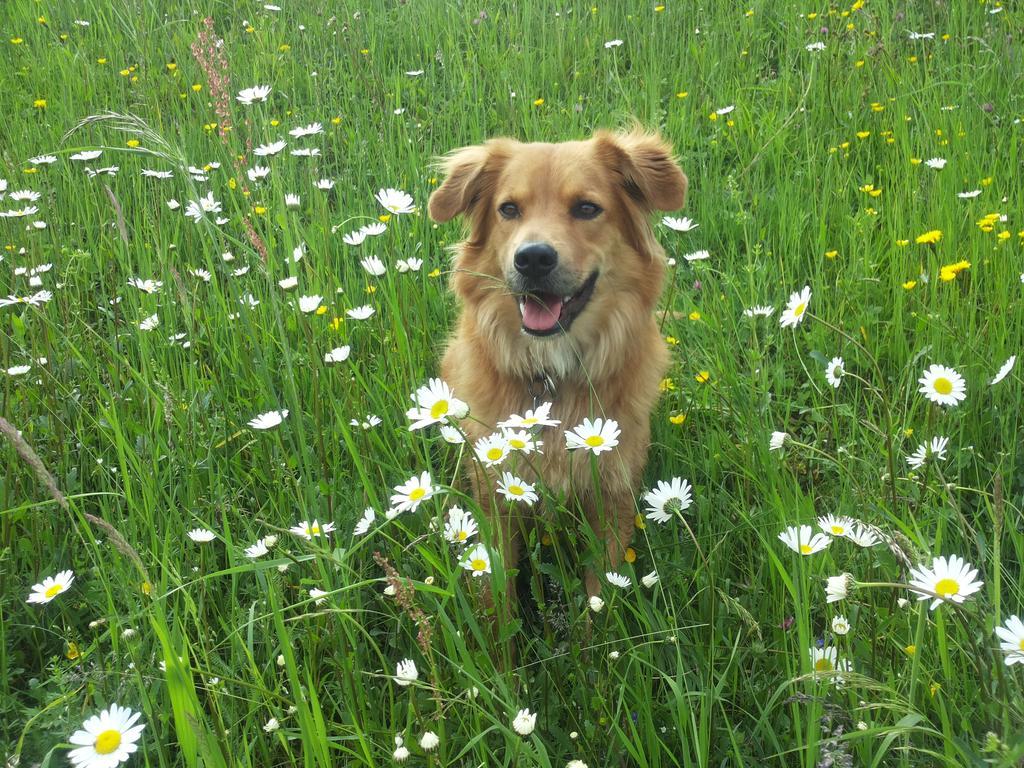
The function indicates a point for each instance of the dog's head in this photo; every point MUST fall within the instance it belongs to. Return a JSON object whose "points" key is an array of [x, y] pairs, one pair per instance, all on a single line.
{"points": [[560, 232]]}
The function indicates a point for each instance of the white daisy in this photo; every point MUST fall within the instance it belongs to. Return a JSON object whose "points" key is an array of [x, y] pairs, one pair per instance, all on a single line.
{"points": [[460, 526], [777, 440], [268, 420], [618, 580], [796, 308], [308, 530], [668, 499], [308, 304], [396, 201], [492, 449], [288, 283], [613, 44], [516, 489], [365, 522], [373, 265], [374, 228], [682, 224], [522, 441], [524, 722], [950, 579], [338, 354], [836, 587], [257, 172], [197, 209], [943, 385], [862, 536], [259, 549], [834, 525], [596, 604], [408, 265], [146, 286], [201, 535], [50, 587], [1004, 371], [88, 154], [534, 418], [477, 560], [307, 130], [451, 434], [435, 402], [936, 163], [814, 47], [968, 195], [412, 493], [803, 540], [325, 184], [936, 449], [107, 739], [354, 238], [650, 579], [268, 150], [1011, 638], [249, 96], [824, 659], [406, 673], [361, 313], [596, 436], [697, 256], [834, 371], [759, 311], [18, 370], [149, 323], [840, 625]]}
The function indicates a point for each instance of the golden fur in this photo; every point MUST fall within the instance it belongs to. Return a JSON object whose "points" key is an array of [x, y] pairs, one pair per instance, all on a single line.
{"points": [[610, 361]]}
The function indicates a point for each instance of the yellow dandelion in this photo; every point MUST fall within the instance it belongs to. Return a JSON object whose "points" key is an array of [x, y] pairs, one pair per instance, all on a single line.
{"points": [[679, 419], [930, 237], [703, 377], [909, 284]]}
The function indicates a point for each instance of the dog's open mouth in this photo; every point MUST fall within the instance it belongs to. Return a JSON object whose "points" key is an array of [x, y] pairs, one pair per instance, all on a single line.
{"points": [[545, 314]]}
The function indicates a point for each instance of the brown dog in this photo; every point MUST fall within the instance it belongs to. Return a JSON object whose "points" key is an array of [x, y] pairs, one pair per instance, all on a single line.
{"points": [[558, 282]]}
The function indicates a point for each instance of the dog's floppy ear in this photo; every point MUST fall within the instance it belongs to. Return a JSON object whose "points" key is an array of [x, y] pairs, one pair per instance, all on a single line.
{"points": [[470, 175], [648, 169]]}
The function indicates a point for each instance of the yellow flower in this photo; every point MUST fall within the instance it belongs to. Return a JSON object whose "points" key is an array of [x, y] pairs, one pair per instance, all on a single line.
{"points": [[72, 651], [146, 587], [364, 51], [335, 121], [321, 310], [259, 210], [703, 377], [17, 41], [695, 315], [679, 419], [950, 271], [912, 59], [930, 237], [39, 103], [713, 116], [197, 87], [638, 522], [666, 385], [171, 66], [910, 650], [831, 254], [986, 181], [435, 273], [908, 432], [275, 122], [1004, 235], [232, 184], [250, 29], [671, 340], [934, 688], [538, 102], [336, 323], [682, 94], [812, 16], [863, 134], [630, 555], [371, 289], [915, 161], [657, 8], [909, 284], [132, 143], [284, 48], [384, 218], [902, 243], [857, 5], [858, 63], [124, 72]]}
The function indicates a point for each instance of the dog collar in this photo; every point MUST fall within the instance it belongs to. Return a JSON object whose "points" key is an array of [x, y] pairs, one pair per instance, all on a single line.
{"points": [[541, 388]]}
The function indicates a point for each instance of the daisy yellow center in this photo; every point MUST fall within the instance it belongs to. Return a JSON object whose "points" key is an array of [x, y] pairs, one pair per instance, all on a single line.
{"points": [[463, 535], [800, 308], [1020, 645], [439, 409], [517, 444], [529, 422], [314, 530], [516, 490], [947, 587], [943, 385], [838, 530], [494, 454], [805, 549], [823, 665], [479, 564], [594, 441], [417, 493], [55, 590], [107, 742]]}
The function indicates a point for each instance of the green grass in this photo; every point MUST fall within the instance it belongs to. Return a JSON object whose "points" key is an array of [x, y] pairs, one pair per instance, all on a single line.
{"points": [[714, 665]]}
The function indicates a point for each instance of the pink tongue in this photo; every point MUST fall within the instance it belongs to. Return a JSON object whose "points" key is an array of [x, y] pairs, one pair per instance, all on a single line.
{"points": [[541, 312]]}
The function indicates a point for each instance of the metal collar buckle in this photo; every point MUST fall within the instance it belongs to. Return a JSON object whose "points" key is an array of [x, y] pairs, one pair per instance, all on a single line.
{"points": [[539, 387]]}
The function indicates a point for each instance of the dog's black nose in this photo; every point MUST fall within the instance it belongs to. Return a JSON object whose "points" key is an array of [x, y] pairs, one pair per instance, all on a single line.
{"points": [[535, 259]]}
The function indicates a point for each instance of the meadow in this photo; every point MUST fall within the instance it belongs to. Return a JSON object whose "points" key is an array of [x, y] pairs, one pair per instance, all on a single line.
{"points": [[205, 376]]}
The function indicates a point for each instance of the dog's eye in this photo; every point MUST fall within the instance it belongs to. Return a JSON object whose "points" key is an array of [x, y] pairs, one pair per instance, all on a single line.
{"points": [[509, 210], [585, 210]]}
